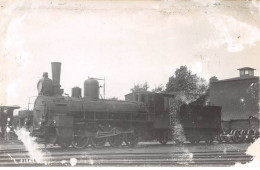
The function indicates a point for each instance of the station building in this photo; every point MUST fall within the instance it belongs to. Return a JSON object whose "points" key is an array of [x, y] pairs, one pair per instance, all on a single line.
{"points": [[239, 96]]}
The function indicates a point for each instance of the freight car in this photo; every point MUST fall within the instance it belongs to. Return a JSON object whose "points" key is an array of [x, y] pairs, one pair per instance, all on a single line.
{"points": [[239, 98], [239, 130]]}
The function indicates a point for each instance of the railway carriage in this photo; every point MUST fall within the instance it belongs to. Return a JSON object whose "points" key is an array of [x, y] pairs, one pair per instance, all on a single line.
{"points": [[7, 120]]}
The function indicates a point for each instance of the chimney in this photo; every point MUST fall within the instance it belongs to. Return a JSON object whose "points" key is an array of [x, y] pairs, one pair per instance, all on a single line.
{"points": [[56, 67]]}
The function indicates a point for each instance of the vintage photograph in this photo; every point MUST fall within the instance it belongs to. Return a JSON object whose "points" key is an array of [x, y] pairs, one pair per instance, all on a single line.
{"points": [[129, 83]]}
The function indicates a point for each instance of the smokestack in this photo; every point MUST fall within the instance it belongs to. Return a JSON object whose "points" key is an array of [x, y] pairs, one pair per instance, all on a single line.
{"points": [[56, 67]]}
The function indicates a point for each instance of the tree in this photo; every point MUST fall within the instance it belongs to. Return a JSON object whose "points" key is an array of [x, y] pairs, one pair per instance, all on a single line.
{"points": [[140, 87], [158, 89], [204, 98], [113, 98], [212, 79], [190, 84]]}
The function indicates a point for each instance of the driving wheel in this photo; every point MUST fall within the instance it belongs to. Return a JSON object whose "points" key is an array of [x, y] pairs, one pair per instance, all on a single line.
{"points": [[116, 140], [80, 142], [131, 139]]}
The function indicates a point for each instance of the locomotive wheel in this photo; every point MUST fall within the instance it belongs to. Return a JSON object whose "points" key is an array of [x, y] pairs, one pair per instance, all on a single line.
{"points": [[64, 145], [98, 142], [177, 142], [131, 139], [197, 141], [249, 134], [101, 141], [192, 141], [163, 139], [242, 137], [208, 141], [235, 136], [116, 140], [256, 134], [220, 139], [53, 138], [228, 140], [80, 142]]}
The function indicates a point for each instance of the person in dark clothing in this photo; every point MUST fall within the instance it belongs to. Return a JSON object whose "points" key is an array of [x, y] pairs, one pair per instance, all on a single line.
{"points": [[44, 85]]}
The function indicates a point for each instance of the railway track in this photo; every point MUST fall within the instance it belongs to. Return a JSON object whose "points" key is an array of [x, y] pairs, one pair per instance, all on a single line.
{"points": [[58, 157]]}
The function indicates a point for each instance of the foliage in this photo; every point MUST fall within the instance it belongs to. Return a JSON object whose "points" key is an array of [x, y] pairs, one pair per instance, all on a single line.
{"points": [[204, 98], [212, 79], [113, 98], [184, 81], [191, 88], [140, 87], [158, 89]]}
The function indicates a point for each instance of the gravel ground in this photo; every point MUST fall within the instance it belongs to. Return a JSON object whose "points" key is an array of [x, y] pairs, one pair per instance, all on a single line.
{"points": [[148, 147]]}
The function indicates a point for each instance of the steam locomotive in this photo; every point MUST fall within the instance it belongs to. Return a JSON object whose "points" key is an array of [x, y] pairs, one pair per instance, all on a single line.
{"points": [[80, 121]]}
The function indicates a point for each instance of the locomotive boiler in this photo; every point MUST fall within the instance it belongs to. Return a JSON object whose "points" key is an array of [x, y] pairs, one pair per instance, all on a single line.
{"points": [[80, 121]]}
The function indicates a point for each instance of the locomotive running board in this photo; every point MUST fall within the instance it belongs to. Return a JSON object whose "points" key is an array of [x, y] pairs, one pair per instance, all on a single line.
{"points": [[113, 132]]}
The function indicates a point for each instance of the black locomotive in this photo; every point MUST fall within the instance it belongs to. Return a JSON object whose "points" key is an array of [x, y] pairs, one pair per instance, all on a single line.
{"points": [[80, 121]]}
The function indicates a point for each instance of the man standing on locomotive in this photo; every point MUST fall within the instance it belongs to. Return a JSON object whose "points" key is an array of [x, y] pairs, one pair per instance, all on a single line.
{"points": [[44, 85]]}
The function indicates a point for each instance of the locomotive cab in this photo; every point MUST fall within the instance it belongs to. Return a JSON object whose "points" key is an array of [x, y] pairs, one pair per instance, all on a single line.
{"points": [[157, 105]]}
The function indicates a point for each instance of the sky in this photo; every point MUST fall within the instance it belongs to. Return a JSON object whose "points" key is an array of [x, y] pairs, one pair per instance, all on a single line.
{"points": [[127, 42]]}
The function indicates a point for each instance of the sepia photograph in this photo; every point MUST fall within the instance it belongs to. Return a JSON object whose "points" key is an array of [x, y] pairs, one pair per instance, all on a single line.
{"points": [[130, 83]]}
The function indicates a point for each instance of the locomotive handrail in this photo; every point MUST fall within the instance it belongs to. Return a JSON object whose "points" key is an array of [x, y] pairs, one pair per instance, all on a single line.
{"points": [[83, 107], [30, 101]]}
